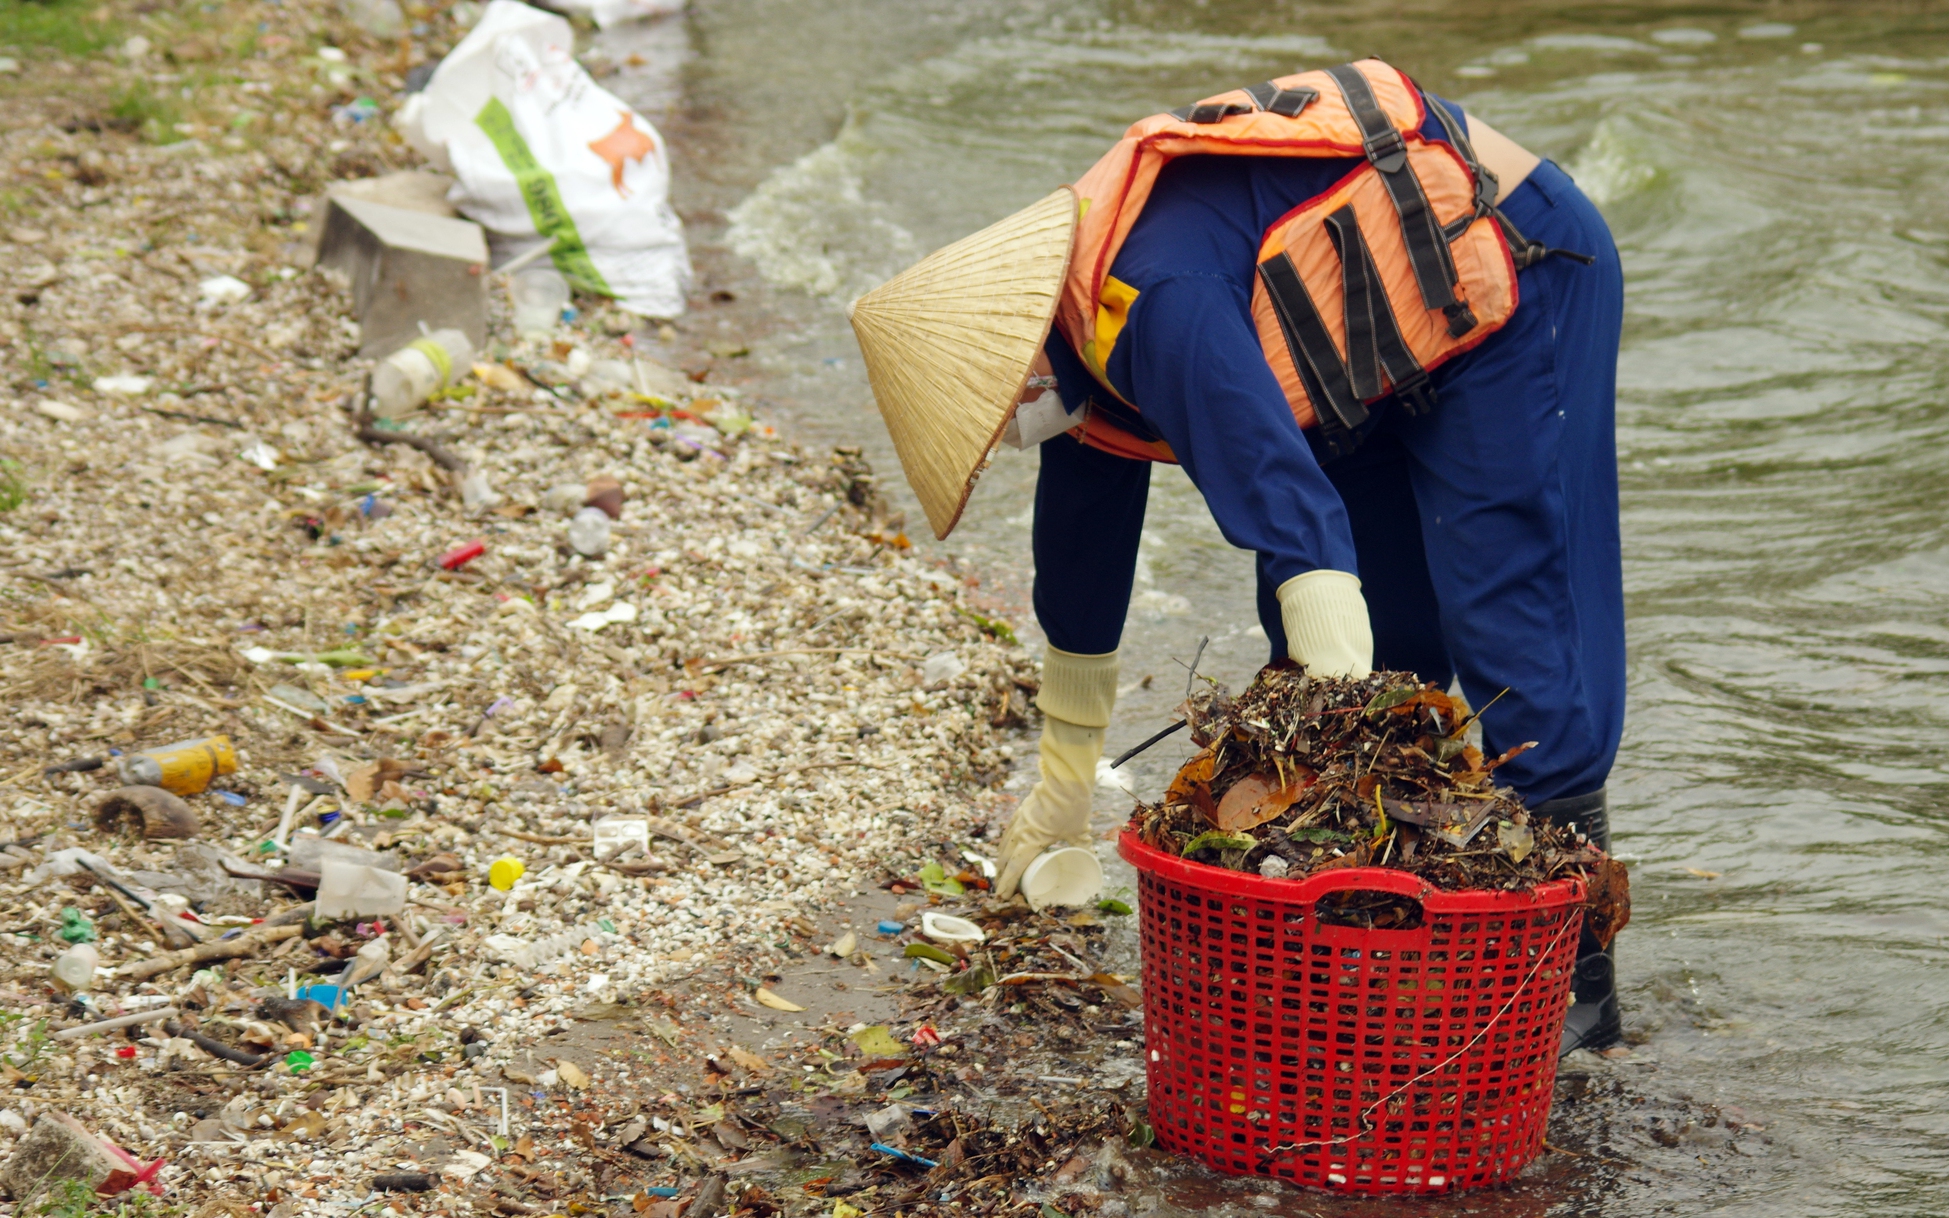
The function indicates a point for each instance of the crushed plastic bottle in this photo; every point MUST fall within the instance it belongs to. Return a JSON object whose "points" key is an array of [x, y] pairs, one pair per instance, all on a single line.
{"points": [[74, 969], [419, 370], [523, 954], [184, 768], [588, 532]]}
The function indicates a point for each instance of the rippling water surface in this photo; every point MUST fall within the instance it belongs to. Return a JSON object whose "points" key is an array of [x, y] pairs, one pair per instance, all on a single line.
{"points": [[1777, 176]]}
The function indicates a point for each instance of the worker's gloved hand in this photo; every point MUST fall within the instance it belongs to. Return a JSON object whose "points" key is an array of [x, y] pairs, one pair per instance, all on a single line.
{"points": [[1327, 631], [1077, 695], [1058, 809]]}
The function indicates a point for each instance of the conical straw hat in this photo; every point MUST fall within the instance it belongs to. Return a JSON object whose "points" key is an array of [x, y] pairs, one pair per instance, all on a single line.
{"points": [[948, 343]]}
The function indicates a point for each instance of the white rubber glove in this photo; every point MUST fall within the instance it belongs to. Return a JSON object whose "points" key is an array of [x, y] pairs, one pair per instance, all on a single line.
{"points": [[1058, 809], [1078, 692], [1327, 631]]}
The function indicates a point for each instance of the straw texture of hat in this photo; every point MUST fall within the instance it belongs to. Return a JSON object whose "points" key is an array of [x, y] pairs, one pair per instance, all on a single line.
{"points": [[949, 340]]}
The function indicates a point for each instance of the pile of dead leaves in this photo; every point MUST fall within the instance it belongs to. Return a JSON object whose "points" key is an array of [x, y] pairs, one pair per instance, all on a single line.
{"points": [[1300, 775]]}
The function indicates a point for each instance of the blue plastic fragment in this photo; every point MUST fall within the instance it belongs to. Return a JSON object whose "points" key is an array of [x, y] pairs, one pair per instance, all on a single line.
{"points": [[327, 996], [234, 798], [661, 1190], [892, 928], [904, 1156]]}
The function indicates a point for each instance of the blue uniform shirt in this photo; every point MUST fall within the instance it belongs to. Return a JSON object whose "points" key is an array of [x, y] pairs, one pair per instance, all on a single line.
{"points": [[1189, 356]]}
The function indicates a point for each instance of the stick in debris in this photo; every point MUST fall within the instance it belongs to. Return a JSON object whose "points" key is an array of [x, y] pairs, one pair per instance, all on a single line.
{"points": [[371, 433], [215, 1048], [223, 949], [1128, 754], [109, 1025]]}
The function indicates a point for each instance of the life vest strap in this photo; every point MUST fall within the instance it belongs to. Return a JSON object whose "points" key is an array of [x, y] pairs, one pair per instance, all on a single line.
{"points": [[1266, 96], [1434, 266], [1287, 103], [1336, 407], [1374, 342]]}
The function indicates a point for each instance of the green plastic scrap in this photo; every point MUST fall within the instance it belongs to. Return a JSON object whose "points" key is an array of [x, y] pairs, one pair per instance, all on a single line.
{"points": [[299, 1061], [934, 878], [1110, 905], [75, 926], [1142, 1136], [927, 951], [993, 625]]}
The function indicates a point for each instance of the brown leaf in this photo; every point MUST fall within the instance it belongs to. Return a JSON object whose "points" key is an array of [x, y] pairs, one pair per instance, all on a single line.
{"points": [[1192, 774], [1254, 800], [1607, 900], [749, 1060]]}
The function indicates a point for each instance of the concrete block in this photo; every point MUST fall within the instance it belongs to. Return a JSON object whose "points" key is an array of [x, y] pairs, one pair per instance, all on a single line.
{"points": [[412, 189], [406, 267], [59, 1148]]}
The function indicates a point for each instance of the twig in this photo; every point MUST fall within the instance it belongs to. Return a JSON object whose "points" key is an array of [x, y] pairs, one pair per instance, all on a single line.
{"points": [[1179, 725], [222, 949], [251, 347], [541, 839], [1191, 674], [187, 417], [215, 1048], [722, 662], [109, 1025]]}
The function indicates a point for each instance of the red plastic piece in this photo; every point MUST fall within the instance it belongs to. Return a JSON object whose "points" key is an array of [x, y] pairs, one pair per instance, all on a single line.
{"points": [[461, 555], [1368, 1061], [125, 1052]]}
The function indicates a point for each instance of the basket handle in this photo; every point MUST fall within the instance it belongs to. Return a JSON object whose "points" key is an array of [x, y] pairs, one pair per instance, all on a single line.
{"points": [[1380, 879]]}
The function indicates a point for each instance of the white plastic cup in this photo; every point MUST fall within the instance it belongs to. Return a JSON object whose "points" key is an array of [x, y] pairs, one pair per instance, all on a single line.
{"points": [[539, 294], [1068, 875], [946, 928], [419, 370]]}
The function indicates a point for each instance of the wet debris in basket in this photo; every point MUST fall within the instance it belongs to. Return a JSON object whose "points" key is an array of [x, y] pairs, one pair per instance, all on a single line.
{"points": [[1301, 775]]}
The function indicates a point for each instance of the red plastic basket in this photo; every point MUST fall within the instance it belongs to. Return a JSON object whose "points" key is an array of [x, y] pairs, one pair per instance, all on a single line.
{"points": [[1369, 1061]]}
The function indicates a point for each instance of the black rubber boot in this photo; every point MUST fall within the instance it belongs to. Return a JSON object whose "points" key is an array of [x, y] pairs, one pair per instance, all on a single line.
{"points": [[1595, 1021]]}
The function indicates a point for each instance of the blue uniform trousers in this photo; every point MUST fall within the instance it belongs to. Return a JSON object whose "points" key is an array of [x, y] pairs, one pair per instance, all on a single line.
{"points": [[1486, 532]]}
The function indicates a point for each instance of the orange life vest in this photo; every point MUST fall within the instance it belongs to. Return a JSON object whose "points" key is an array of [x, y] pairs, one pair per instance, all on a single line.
{"points": [[1361, 290]]}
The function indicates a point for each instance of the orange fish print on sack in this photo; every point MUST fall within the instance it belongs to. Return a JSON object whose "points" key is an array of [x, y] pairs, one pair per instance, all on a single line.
{"points": [[625, 143]]}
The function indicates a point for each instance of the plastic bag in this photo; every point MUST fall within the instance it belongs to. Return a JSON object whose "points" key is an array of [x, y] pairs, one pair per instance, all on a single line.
{"points": [[609, 12], [542, 151]]}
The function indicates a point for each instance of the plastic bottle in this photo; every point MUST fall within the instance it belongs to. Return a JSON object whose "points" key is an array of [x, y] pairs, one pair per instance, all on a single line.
{"points": [[588, 532], [184, 768], [419, 370], [74, 969], [538, 293]]}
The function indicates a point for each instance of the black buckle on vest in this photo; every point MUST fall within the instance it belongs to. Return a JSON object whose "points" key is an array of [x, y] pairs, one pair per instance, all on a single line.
{"points": [[1387, 150], [1416, 395], [1461, 318], [1206, 113]]}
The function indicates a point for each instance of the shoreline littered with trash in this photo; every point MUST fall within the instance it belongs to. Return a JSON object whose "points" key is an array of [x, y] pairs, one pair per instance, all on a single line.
{"points": [[202, 545]]}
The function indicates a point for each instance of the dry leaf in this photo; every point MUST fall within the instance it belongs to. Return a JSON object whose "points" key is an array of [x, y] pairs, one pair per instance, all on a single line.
{"points": [[750, 1061], [1254, 800], [571, 1074], [767, 998], [1703, 874]]}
